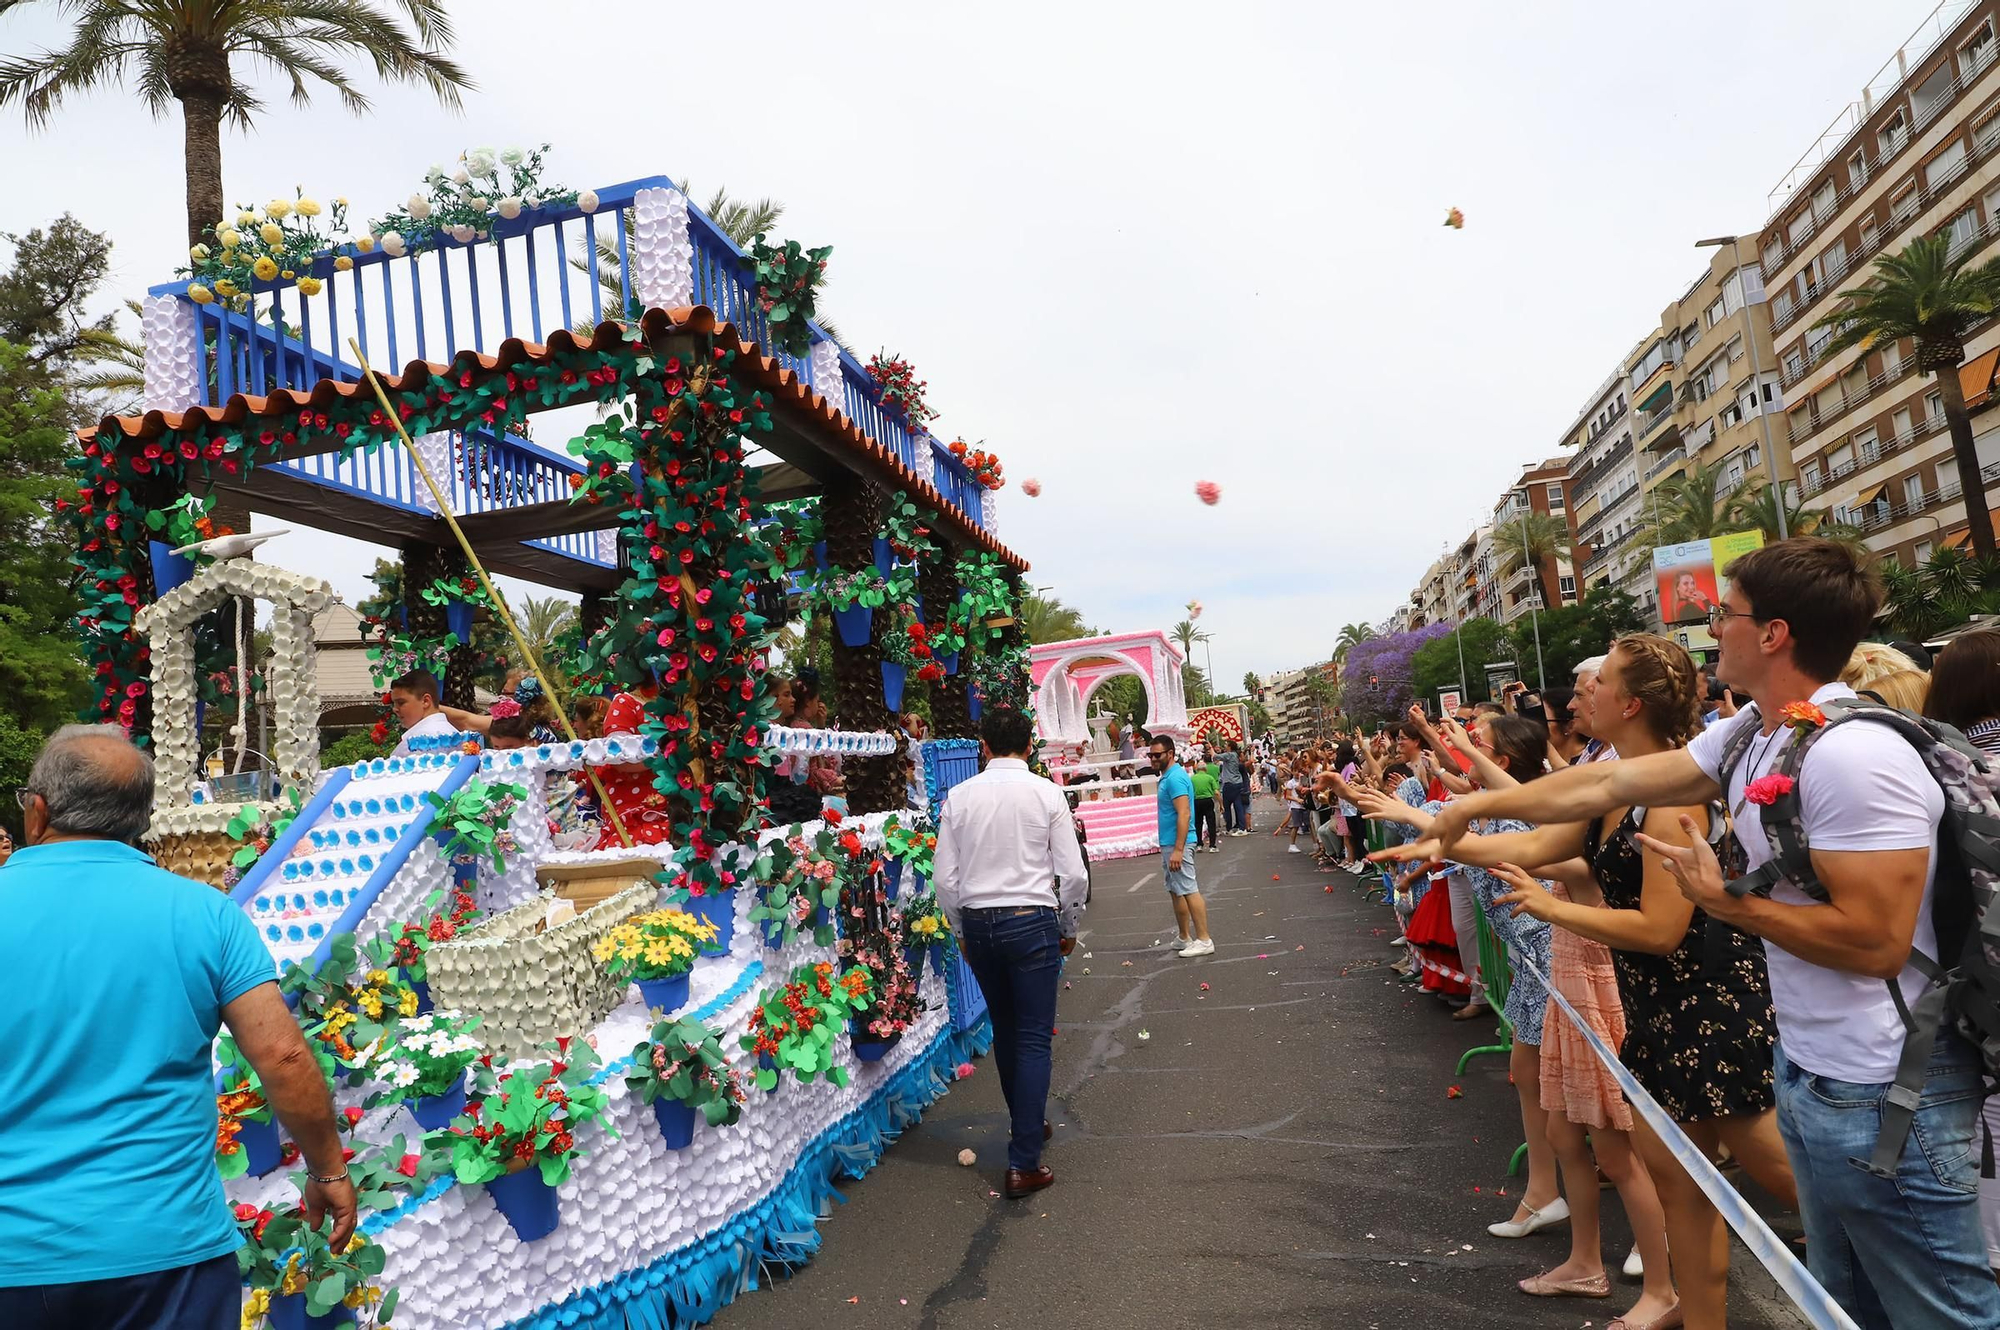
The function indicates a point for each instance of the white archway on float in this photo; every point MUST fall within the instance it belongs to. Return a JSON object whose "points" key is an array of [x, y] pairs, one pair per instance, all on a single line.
{"points": [[1066, 674]]}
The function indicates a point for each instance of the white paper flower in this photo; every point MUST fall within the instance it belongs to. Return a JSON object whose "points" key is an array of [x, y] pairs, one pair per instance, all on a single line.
{"points": [[510, 207], [418, 207], [587, 200], [480, 161], [435, 174], [512, 157], [463, 233], [392, 244], [460, 177], [481, 202], [403, 1075]]}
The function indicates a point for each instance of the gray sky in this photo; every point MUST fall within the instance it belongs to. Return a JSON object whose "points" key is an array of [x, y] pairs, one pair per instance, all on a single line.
{"points": [[1130, 246]]}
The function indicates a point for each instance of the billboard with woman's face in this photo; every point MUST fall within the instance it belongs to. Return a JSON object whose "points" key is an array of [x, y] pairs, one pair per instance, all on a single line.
{"points": [[1688, 576]]}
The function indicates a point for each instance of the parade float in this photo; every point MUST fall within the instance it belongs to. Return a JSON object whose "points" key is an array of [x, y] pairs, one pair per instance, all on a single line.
{"points": [[1114, 796], [593, 1074]]}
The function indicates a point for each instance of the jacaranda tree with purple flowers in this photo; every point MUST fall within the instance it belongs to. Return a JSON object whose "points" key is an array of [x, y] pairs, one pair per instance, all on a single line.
{"points": [[1375, 678]]}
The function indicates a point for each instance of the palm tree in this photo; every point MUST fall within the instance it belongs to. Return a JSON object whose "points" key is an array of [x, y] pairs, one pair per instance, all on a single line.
{"points": [[181, 51], [1928, 294], [1533, 540], [1186, 635], [1755, 507], [1049, 620], [1689, 506], [120, 372], [543, 619], [1351, 635]]}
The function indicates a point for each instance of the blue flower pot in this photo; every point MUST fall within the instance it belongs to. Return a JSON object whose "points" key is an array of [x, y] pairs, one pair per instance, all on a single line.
{"points": [[774, 933], [676, 1122], [867, 1047], [260, 1146], [892, 685], [972, 703], [288, 1312], [718, 908], [458, 618], [819, 554], [937, 961], [884, 559], [854, 624], [528, 1203], [950, 663], [423, 991], [669, 995], [892, 877], [169, 571], [433, 1111]]}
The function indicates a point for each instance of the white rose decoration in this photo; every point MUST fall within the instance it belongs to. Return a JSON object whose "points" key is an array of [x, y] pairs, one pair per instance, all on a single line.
{"points": [[510, 207], [460, 177], [462, 233], [418, 207], [481, 202], [512, 157], [435, 174], [587, 200], [392, 244]]}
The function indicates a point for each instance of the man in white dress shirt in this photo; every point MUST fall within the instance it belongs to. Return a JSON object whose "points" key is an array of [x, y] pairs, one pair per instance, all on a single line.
{"points": [[1010, 876]]}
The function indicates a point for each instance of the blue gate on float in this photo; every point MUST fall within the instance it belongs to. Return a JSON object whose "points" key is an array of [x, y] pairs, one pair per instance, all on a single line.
{"points": [[946, 763]]}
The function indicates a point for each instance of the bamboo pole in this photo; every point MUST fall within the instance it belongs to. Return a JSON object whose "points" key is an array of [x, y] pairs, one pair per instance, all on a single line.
{"points": [[486, 583]]}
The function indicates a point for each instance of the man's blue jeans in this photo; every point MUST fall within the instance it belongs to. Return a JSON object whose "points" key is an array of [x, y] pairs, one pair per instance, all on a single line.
{"points": [[1906, 1254], [204, 1296], [1016, 955]]}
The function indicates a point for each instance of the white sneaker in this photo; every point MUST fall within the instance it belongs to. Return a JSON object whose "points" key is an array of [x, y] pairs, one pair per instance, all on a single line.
{"points": [[1293, 848], [1199, 947], [1634, 1267], [1554, 1213], [1175, 940]]}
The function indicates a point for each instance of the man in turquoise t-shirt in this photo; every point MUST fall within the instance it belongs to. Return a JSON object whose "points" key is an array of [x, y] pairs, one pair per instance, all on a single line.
{"points": [[111, 1210], [1176, 796]]}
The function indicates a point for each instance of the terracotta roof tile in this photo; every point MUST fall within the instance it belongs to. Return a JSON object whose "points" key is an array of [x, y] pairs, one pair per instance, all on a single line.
{"points": [[813, 411]]}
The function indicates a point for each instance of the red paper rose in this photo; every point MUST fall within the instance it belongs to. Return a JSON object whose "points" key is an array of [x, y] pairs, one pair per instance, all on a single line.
{"points": [[1765, 790]]}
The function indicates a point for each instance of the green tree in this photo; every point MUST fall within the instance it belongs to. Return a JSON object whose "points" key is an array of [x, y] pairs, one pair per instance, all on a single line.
{"points": [[1575, 633], [542, 619], [1533, 539], [1755, 507], [1928, 294], [183, 51], [1351, 635], [1260, 719], [1185, 635], [45, 292], [1194, 687], [1435, 665], [1688, 506], [41, 678], [1047, 619], [1123, 696]]}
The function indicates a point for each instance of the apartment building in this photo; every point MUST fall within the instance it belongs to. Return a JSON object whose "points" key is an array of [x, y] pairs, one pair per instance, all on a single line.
{"points": [[1433, 596], [1919, 153], [1542, 488], [1603, 477]]}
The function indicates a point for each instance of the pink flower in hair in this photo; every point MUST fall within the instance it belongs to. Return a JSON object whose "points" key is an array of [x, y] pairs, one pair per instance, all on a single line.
{"points": [[504, 708]]}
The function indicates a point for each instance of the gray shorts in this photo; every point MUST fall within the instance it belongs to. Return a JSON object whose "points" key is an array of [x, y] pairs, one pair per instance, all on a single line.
{"points": [[1180, 883]]}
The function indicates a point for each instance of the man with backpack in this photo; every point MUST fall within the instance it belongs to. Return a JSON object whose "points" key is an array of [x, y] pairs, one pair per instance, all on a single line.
{"points": [[1837, 861]]}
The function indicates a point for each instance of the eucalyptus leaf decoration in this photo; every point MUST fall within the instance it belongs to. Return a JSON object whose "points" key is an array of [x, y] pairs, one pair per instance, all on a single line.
{"points": [[788, 282], [474, 820]]}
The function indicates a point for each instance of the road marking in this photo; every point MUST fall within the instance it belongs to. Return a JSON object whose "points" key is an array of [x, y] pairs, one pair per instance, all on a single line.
{"points": [[1140, 883]]}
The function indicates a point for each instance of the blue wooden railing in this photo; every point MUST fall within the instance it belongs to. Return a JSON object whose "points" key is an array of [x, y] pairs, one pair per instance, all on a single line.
{"points": [[518, 282]]}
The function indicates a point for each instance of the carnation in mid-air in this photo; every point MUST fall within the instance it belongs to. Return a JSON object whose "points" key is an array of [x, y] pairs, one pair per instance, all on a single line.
{"points": [[1455, 220], [1207, 491]]}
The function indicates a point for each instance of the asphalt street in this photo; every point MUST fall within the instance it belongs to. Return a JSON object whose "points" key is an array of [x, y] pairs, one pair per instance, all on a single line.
{"points": [[1262, 1138]]}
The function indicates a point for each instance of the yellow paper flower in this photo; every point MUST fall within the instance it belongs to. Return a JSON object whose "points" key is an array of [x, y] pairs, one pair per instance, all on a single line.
{"points": [[371, 1006], [200, 294], [265, 269], [272, 233], [378, 976], [288, 274], [366, 244], [339, 202], [248, 218], [342, 263], [408, 1005], [230, 237], [226, 288], [309, 286], [278, 208], [308, 207], [198, 253]]}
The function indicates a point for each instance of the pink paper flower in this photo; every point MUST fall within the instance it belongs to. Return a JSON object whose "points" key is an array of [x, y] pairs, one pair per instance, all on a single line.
{"points": [[504, 708], [1207, 491], [1031, 487], [1765, 790]]}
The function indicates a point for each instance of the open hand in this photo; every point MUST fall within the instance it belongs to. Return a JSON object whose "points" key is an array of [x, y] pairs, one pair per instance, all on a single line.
{"points": [[1528, 896], [1417, 851], [1455, 735], [1697, 872]]}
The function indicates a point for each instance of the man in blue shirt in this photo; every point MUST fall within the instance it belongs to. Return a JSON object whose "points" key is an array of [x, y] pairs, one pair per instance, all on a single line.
{"points": [[1176, 797], [111, 1211]]}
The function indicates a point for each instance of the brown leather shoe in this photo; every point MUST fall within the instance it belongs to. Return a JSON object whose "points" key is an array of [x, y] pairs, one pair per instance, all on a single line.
{"points": [[1023, 1182]]}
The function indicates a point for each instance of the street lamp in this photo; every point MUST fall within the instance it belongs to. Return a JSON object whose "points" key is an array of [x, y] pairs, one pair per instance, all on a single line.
{"points": [[1735, 244]]}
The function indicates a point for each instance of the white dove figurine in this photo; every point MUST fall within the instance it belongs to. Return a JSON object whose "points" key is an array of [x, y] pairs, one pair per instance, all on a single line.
{"points": [[232, 547]]}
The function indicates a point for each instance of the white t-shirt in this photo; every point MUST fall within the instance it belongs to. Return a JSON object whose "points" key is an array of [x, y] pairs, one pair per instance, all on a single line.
{"points": [[1862, 788], [1292, 794], [431, 726]]}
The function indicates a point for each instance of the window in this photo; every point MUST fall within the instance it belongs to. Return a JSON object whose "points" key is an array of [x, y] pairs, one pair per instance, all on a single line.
{"points": [[1829, 402], [1732, 473], [1934, 408], [1799, 230], [1857, 170], [1843, 515], [1903, 206], [1976, 53], [1770, 392], [1942, 169], [1870, 236], [1963, 228], [1816, 340], [1774, 253], [1892, 359], [1840, 461], [1913, 492], [1890, 560], [1809, 477], [1781, 306], [1714, 314], [1833, 261], [1555, 495], [1865, 446], [1904, 427], [1895, 132], [1730, 415], [1566, 587], [1823, 200], [1986, 133], [1923, 551], [1932, 94], [1735, 352], [1753, 457]]}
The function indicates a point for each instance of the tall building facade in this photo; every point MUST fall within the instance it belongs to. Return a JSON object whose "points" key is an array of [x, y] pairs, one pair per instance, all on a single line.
{"points": [[1542, 489], [1918, 154], [1604, 486]]}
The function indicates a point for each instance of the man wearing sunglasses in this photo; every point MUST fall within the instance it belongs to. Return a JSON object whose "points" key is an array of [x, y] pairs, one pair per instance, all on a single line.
{"points": [[1176, 796]]}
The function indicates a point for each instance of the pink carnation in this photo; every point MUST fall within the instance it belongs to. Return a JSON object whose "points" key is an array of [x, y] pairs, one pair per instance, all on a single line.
{"points": [[1207, 491], [1031, 487], [1765, 790]]}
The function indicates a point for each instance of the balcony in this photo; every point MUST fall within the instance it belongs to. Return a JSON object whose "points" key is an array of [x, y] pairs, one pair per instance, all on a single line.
{"points": [[1672, 458], [1872, 453], [1651, 424]]}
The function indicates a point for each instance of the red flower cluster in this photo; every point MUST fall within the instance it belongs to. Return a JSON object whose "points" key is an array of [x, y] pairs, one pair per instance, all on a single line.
{"points": [[985, 466]]}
